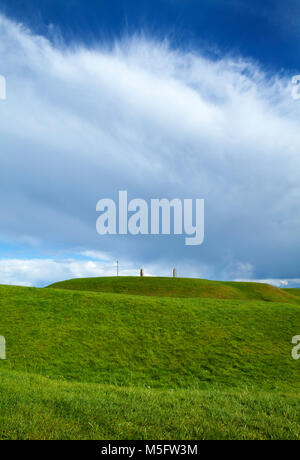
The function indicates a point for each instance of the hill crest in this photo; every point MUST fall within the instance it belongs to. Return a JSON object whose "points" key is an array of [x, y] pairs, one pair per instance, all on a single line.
{"points": [[179, 287]]}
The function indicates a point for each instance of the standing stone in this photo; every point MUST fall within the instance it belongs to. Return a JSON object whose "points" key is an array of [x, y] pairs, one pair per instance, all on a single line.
{"points": [[142, 272], [2, 348], [174, 273]]}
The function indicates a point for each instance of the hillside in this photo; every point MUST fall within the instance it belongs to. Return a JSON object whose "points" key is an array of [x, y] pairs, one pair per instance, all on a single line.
{"points": [[179, 287], [35, 407], [148, 341], [95, 365], [292, 291]]}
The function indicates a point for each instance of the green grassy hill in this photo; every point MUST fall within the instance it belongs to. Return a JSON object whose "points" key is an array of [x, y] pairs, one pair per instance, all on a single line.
{"points": [[179, 287], [114, 365]]}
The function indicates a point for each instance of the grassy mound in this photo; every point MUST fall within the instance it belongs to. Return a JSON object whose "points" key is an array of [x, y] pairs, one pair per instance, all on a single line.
{"points": [[179, 287], [148, 341], [101, 365]]}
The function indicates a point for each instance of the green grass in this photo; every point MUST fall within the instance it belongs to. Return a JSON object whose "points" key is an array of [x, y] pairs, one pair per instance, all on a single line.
{"points": [[114, 365], [34, 407], [292, 291], [179, 287], [148, 341]]}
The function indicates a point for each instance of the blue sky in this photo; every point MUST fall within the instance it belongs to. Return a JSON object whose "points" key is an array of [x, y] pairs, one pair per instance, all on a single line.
{"points": [[165, 98], [264, 30]]}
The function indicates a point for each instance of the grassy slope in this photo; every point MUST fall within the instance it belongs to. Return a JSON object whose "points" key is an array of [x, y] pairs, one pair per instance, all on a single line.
{"points": [[34, 407], [153, 368], [179, 287], [292, 291], [157, 342]]}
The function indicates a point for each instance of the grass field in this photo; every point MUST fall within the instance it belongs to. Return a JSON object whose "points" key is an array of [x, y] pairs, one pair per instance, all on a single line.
{"points": [[152, 358], [35, 407]]}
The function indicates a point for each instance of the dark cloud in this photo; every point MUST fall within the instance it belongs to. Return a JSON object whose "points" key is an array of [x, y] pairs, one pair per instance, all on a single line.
{"points": [[80, 125]]}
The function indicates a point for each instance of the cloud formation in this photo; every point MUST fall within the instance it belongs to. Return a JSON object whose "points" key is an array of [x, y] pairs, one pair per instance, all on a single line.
{"points": [[81, 124], [42, 272]]}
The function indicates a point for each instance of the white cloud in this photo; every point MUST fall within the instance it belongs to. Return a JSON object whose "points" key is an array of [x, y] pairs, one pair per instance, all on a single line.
{"points": [[96, 255], [41, 272], [80, 124]]}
